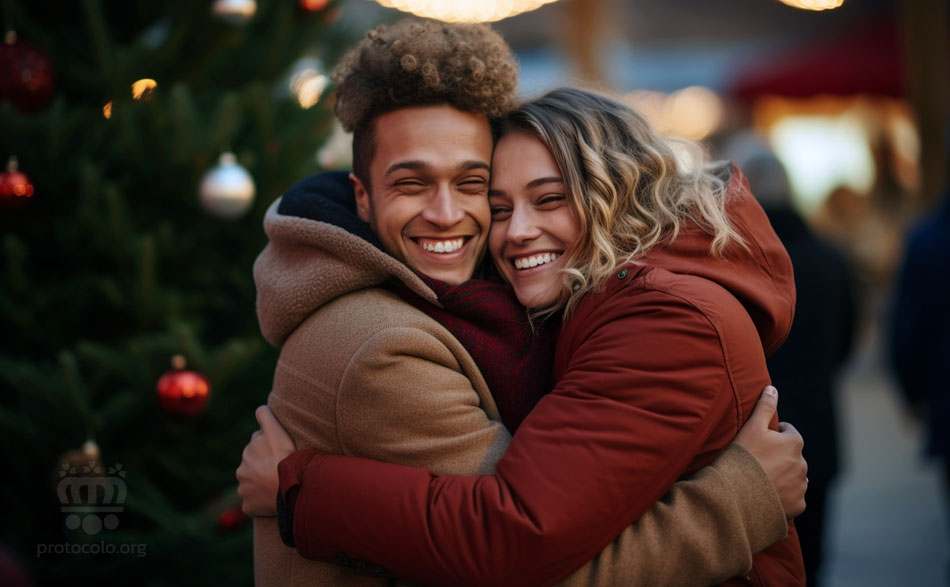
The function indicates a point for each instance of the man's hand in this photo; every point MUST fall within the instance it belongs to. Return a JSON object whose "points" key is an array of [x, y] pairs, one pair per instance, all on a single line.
{"points": [[779, 453], [257, 475]]}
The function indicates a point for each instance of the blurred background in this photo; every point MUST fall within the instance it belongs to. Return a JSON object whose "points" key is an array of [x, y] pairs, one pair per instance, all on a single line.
{"points": [[143, 142]]}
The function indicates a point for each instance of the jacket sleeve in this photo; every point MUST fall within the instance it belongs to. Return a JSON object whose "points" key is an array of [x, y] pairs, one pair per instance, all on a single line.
{"points": [[702, 532], [625, 420]]}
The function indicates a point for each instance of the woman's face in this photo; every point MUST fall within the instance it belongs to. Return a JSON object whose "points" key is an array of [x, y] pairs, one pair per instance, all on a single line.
{"points": [[532, 223]]}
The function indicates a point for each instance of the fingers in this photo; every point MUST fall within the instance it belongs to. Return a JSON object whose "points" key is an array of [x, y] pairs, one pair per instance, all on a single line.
{"points": [[265, 417], [765, 408]]}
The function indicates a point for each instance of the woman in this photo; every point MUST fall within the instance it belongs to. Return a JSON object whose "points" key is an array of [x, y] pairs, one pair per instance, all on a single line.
{"points": [[671, 287]]}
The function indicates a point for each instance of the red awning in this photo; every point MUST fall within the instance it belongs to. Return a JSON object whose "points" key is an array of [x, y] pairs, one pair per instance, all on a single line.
{"points": [[865, 60]]}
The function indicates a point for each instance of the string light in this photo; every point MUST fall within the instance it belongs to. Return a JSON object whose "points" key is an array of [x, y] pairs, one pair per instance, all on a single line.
{"points": [[465, 10], [142, 89], [814, 4]]}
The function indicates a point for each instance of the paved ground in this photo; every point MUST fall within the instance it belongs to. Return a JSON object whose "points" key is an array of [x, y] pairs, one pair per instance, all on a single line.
{"points": [[888, 525]]}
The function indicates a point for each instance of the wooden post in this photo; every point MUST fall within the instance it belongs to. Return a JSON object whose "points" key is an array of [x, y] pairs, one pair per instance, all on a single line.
{"points": [[925, 28]]}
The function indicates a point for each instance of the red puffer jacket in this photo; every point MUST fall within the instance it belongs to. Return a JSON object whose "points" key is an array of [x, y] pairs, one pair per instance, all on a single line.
{"points": [[654, 376]]}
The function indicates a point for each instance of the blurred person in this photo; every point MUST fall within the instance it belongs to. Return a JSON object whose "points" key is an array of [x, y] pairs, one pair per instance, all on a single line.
{"points": [[820, 340], [919, 330]]}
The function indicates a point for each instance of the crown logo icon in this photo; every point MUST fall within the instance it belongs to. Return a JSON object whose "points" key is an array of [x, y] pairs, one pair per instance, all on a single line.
{"points": [[90, 497]]}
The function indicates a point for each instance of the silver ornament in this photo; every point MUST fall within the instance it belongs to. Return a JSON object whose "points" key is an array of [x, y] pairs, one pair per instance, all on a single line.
{"points": [[227, 191], [234, 11]]}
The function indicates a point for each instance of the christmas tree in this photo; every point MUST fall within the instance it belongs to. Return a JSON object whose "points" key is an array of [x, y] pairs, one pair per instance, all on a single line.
{"points": [[127, 240]]}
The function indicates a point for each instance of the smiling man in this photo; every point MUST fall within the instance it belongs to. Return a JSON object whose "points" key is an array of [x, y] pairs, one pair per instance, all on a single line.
{"points": [[426, 192], [365, 288]]}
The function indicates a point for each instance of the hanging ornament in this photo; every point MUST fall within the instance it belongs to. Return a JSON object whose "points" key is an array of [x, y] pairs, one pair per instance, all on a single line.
{"points": [[84, 460], [227, 191], [27, 78], [16, 191], [182, 392], [231, 519], [234, 12], [313, 5]]}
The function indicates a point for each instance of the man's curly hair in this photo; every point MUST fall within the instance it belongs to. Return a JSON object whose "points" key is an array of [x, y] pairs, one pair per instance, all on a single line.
{"points": [[421, 63]]}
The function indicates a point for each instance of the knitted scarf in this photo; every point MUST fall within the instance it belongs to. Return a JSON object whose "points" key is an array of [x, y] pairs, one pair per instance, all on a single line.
{"points": [[487, 319]]}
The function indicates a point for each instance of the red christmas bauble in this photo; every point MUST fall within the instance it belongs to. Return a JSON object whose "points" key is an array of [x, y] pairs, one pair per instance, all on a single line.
{"points": [[27, 77], [182, 392], [313, 5], [16, 191], [231, 519]]}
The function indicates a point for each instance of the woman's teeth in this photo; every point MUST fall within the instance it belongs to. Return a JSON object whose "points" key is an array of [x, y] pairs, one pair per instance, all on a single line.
{"points": [[535, 260], [443, 246]]}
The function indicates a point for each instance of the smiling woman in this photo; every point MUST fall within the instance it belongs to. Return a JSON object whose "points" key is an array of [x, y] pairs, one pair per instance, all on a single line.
{"points": [[532, 221]]}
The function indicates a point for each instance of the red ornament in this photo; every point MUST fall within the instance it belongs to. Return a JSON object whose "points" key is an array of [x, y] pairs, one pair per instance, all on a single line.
{"points": [[26, 75], [182, 392], [16, 191], [231, 519], [313, 5]]}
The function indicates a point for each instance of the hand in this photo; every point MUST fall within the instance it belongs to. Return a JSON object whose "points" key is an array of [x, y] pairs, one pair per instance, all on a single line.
{"points": [[779, 452], [257, 475]]}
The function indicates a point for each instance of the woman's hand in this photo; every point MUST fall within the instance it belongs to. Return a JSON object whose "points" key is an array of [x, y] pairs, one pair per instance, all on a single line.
{"points": [[779, 452], [257, 475]]}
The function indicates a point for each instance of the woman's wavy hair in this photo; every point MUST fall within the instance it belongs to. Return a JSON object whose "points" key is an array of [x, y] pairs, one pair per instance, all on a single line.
{"points": [[629, 187]]}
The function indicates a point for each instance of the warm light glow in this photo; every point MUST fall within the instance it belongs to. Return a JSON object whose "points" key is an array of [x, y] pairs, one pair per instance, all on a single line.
{"points": [[692, 112], [822, 153], [142, 89], [307, 86], [465, 10], [814, 4], [107, 109]]}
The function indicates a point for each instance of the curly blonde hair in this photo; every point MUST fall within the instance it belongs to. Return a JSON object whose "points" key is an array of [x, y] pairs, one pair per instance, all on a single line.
{"points": [[421, 63], [629, 187]]}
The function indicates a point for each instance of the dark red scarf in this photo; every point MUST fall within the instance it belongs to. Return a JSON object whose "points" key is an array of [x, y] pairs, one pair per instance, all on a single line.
{"points": [[493, 327]]}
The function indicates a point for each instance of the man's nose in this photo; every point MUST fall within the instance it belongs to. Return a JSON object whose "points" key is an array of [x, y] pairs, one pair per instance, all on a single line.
{"points": [[444, 209]]}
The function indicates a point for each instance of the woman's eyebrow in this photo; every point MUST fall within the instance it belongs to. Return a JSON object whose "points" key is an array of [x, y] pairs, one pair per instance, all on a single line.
{"points": [[541, 181]]}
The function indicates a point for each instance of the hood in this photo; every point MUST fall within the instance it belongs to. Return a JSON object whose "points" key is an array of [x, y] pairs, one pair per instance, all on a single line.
{"points": [[760, 276], [319, 250]]}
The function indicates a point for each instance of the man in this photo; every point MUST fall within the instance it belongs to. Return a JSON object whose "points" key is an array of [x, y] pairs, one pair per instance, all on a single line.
{"points": [[380, 356]]}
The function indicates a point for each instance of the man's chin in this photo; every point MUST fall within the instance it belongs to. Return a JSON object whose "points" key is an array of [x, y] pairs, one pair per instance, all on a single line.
{"points": [[451, 276]]}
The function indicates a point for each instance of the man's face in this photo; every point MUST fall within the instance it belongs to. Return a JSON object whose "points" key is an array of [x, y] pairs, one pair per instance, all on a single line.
{"points": [[428, 194]]}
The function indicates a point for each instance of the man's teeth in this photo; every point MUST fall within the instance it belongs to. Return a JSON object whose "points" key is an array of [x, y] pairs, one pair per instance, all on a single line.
{"points": [[443, 246], [535, 260]]}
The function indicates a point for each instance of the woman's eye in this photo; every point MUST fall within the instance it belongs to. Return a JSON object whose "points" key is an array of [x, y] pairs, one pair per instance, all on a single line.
{"points": [[551, 200], [500, 212]]}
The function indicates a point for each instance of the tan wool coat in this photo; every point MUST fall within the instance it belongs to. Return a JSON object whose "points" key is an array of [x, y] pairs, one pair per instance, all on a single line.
{"points": [[363, 373]]}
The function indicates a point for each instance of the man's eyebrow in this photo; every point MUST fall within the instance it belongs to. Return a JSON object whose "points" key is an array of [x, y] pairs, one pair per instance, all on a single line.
{"points": [[415, 165], [475, 165]]}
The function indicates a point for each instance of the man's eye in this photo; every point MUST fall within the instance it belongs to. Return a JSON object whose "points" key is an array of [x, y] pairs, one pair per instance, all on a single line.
{"points": [[473, 184]]}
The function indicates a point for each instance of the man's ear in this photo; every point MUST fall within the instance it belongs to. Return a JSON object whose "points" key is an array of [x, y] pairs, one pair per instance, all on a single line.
{"points": [[363, 205]]}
